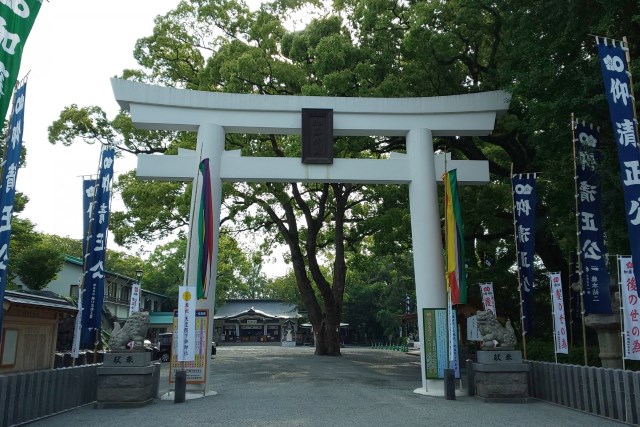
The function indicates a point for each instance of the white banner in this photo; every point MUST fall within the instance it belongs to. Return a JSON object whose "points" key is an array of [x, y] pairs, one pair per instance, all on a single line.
{"points": [[488, 300], [630, 309], [473, 333], [134, 304], [77, 330], [186, 324], [559, 320]]}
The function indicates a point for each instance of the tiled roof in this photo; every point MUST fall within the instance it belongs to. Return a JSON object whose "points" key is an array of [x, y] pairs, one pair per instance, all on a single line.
{"points": [[262, 308], [39, 300]]}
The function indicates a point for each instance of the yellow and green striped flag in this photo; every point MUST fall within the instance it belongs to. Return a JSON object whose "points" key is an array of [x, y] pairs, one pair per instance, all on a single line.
{"points": [[454, 238]]}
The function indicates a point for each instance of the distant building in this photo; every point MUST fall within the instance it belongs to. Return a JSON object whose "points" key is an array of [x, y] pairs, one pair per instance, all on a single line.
{"points": [[117, 290], [256, 320]]}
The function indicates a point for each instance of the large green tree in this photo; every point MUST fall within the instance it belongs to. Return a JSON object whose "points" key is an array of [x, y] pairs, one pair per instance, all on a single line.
{"points": [[541, 52]]}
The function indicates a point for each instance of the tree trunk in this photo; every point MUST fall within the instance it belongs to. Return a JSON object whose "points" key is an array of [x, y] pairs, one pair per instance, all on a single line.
{"points": [[328, 337]]}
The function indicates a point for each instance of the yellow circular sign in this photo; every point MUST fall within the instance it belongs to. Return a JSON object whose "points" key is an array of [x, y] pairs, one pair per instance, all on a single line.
{"points": [[186, 296]]}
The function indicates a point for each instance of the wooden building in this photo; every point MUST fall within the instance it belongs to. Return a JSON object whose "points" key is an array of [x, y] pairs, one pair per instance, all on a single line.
{"points": [[30, 330]]}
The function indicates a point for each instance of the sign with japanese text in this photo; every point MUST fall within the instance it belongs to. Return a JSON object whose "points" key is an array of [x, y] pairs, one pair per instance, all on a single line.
{"points": [[473, 331], [488, 300], [8, 188], [97, 198], [615, 73], [592, 251], [452, 332], [197, 369], [435, 342], [559, 318], [134, 303], [185, 351], [16, 20], [630, 308], [524, 212]]}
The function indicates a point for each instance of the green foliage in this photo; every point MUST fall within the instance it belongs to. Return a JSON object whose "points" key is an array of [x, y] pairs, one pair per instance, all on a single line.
{"points": [[38, 265], [542, 350], [164, 270]]}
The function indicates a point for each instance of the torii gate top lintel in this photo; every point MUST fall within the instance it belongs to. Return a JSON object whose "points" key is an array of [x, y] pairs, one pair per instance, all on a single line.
{"points": [[164, 108]]}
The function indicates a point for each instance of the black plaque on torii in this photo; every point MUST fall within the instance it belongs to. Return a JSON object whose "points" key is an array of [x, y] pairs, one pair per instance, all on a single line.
{"points": [[317, 136]]}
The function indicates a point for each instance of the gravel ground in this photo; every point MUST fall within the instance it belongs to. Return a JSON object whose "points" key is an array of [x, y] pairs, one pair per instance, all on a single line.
{"points": [[284, 387]]}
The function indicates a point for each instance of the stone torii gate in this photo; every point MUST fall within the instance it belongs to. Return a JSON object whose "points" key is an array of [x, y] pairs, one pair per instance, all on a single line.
{"points": [[212, 115]]}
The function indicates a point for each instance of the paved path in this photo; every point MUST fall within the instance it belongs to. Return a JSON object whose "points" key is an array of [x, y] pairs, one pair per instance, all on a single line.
{"points": [[287, 387]]}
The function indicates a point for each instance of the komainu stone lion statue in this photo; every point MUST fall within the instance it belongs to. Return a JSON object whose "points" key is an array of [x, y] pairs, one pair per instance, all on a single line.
{"points": [[134, 330], [491, 330]]}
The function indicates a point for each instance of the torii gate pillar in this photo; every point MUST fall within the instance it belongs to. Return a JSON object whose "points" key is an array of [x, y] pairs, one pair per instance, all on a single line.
{"points": [[210, 146], [428, 262], [418, 119]]}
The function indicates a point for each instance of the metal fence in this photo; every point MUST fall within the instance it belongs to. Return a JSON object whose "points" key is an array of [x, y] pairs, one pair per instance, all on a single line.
{"points": [[27, 396], [610, 393]]}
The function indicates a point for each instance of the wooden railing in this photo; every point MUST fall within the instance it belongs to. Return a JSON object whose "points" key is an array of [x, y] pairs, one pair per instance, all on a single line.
{"points": [[28, 396], [610, 393]]}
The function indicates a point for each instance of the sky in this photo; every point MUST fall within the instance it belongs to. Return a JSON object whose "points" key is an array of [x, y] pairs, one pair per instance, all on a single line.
{"points": [[71, 54]]}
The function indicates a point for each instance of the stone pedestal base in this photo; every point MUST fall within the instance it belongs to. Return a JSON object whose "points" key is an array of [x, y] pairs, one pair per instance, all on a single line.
{"points": [[607, 326], [503, 379], [122, 384], [288, 343]]}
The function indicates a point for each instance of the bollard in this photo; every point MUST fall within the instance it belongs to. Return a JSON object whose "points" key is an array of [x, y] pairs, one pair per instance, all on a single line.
{"points": [[471, 385], [180, 387], [449, 384]]}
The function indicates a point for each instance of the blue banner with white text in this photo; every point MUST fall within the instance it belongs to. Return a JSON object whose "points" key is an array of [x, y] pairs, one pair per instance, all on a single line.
{"points": [[593, 258], [8, 188], [524, 212], [89, 187], [96, 248], [613, 63]]}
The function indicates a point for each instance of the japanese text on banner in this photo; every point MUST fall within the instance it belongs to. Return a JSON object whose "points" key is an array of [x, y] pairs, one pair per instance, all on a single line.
{"points": [[559, 318], [488, 300], [595, 278], [8, 189], [186, 324], [524, 207], [631, 309], [614, 67]]}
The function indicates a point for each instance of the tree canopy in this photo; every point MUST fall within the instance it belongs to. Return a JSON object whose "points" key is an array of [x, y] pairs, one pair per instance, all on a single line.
{"points": [[542, 52]]}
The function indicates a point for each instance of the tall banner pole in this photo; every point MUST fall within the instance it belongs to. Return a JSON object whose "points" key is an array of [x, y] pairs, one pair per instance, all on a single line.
{"points": [[515, 235], [578, 257], [630, 74], [96, 247], [524, 221]]}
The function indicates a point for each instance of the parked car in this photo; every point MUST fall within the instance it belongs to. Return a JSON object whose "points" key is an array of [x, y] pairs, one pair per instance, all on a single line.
{"points": [[165, 341], [164, 346]]}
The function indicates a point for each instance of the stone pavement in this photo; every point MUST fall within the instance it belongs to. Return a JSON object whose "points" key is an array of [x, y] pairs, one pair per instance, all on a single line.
{"points": [[285, 387]]}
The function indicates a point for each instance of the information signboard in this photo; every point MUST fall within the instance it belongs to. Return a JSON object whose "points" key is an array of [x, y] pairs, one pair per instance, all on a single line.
{"points": [[196, 370]]}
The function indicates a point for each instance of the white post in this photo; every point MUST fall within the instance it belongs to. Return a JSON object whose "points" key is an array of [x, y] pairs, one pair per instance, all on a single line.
{"points": [[210, 145], [428, 261]]}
